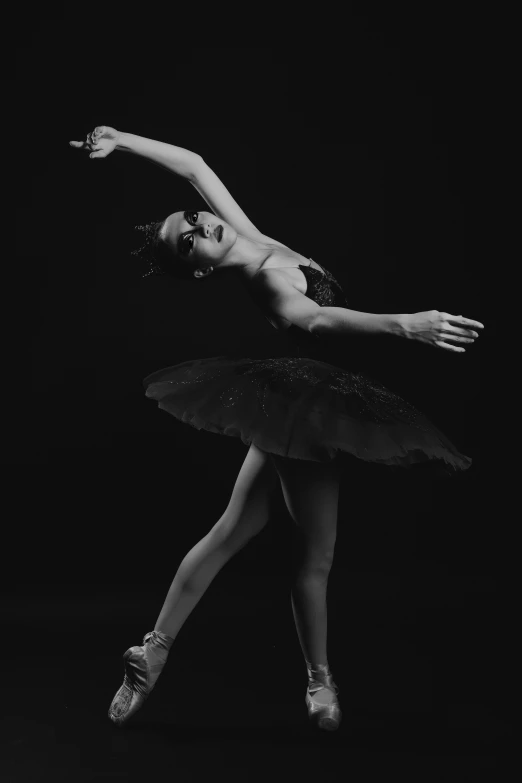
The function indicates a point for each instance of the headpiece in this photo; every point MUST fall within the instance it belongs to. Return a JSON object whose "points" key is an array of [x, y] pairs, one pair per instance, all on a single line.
{"points": [[146, 253]]}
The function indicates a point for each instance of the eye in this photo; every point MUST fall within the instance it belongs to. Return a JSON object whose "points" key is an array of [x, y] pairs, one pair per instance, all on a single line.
{"points": [[192, 217], [187, 244]]}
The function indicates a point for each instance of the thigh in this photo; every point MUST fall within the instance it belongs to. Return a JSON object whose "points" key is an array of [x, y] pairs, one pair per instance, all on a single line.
{"points": [[311, 493], [248, 510]]}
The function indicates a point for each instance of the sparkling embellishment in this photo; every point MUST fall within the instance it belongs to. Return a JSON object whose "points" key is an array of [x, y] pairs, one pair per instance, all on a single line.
{"points": [[146, 252], [292, 377], [323, 288]]}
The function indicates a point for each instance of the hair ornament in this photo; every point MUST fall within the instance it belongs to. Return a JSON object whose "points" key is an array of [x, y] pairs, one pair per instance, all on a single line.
{"points": [[145, 253]]}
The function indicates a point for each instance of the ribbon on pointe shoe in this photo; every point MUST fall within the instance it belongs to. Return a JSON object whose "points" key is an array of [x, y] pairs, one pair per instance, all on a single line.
{"points": [[156, 647], [143, 666], [319, 677]]}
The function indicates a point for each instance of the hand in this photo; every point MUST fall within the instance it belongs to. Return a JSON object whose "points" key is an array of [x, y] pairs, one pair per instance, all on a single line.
{"points": [[440, 329], [101, 141]]}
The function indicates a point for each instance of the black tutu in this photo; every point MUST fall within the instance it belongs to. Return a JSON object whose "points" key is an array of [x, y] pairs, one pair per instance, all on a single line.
{"points": [[301, 408]]}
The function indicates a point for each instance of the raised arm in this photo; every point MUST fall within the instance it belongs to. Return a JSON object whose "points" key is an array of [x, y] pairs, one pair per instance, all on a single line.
{"points": [[176, 159], [189, 165]]}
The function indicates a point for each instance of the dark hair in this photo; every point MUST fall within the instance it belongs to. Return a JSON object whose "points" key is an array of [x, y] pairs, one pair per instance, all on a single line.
{"points": [[157, 257]]}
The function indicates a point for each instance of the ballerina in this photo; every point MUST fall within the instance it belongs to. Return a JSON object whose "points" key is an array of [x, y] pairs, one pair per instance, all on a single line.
{"points": [[297, 414]]}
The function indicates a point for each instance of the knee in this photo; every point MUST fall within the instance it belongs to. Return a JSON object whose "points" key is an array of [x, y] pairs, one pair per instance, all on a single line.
{"points": [[314, 565], [233, 531], [313, 555]]}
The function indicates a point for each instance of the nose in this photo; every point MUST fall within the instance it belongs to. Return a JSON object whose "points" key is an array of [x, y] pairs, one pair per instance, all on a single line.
{"points": [[206, 229]]}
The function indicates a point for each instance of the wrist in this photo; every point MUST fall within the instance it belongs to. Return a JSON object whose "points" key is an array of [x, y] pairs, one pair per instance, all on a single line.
{"points": [[400, 325], [123, 141]]}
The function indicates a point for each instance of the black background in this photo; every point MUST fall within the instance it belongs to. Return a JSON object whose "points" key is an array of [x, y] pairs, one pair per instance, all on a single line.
{"points": [[352, 139]]}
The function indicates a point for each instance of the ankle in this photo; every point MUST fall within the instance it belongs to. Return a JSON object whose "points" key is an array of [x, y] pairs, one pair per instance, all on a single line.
{"points": [[159, 639], [317, 667], [157, 646]]}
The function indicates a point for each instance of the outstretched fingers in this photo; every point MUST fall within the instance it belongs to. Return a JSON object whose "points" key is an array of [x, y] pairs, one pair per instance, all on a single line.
{"points": [[91, 140], [449, 347], [91, 144], [459, 320], [457, 329]]}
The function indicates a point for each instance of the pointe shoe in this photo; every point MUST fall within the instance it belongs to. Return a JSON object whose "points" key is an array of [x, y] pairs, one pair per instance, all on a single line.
{"points": [[140, 676], [321, 698]]}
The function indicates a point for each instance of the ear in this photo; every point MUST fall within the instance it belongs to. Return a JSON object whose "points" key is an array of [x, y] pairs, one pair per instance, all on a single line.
{"points": [[203, 272]]}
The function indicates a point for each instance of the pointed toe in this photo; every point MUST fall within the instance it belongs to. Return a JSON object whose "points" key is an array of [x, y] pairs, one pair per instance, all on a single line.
{"points": [[321, 699], [325, 716], [142, 667], [125, 703], [135, 688]]}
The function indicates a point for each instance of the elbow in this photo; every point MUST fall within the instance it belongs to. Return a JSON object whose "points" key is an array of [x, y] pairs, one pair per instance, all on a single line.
{"points": [[317, 324]]}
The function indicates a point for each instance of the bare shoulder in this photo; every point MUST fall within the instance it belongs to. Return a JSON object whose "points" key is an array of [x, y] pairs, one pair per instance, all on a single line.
{"points": [[285, 278], [280, 293], [282, 271]]}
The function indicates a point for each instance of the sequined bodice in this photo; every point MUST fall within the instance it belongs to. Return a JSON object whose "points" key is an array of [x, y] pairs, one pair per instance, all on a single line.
{"points": [[323, 288]]}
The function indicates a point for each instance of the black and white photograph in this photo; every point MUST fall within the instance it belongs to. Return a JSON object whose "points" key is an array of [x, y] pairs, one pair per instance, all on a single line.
{"points": [[245, 455]]}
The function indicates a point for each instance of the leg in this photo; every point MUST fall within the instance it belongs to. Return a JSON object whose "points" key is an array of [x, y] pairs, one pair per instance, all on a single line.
{"points": [[245, 516], [311, 491]]}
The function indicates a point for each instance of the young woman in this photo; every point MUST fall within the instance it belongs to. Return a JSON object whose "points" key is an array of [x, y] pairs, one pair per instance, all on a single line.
{"points": [[297, 414]]}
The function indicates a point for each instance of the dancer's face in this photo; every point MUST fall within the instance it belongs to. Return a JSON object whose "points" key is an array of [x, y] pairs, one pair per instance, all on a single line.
{"points": [[199, 238]]}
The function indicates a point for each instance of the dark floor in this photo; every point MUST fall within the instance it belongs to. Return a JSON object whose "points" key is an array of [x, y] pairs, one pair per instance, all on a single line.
{"points": [[231, 699]]}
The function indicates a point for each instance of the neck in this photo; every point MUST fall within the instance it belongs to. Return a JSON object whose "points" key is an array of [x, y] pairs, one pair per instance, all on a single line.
{"points": [[247, 256]]}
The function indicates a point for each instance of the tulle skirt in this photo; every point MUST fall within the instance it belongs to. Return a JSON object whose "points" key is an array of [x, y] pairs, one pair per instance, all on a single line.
{"points": [[303, 409]]}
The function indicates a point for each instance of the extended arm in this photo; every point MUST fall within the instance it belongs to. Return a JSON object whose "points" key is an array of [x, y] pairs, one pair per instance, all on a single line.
{"points": [[432, 327], [192, 167], [290, 306], [180, 161], [103, 140], [340, 320]]}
